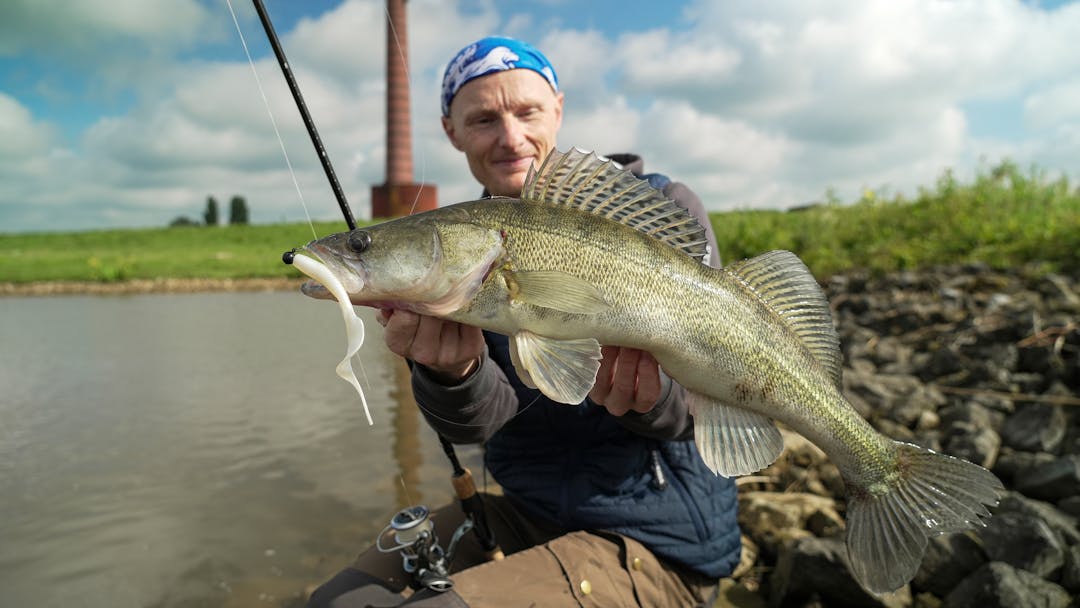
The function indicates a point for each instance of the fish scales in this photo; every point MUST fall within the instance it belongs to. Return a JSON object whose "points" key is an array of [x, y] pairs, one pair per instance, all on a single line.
{"points": [[590, 255]]}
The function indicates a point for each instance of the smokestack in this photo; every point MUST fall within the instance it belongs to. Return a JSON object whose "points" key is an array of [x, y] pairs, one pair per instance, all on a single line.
{"points": [[399, 195]]}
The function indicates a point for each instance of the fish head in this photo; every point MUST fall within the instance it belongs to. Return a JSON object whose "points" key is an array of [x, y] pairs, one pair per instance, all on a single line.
{"points": [[432, 263]]}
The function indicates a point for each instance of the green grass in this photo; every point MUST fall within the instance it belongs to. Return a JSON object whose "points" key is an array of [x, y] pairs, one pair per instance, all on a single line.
{"points": [[182, 252], [1005, 217]]}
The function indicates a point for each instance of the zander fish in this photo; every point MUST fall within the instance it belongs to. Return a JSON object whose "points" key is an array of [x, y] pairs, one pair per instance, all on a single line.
{"points": [[591, 255]]}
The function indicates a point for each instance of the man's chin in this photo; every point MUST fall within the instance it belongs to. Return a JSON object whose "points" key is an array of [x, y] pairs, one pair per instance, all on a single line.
{"points": [[508, 185]]}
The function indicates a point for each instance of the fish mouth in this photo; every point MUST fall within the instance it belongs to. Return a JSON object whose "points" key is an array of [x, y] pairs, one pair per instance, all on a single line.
{"points": [[325, 256]]}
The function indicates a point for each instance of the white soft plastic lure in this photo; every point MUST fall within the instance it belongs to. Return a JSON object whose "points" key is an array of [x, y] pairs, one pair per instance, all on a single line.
{"points": [[354, 325]]}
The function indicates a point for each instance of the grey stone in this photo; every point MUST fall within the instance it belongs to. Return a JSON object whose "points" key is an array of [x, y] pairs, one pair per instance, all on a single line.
{"points": [[1035, 427], [1023, 542], [1057, 287], [979, 447], [1070, 505], [943, 362], [1012, 464], [949, 559], [1065, 525], [970, 412], [1070, 574], [817, 568], [1029, 382], [1040, 359], [1053, 480], [999, 585]]}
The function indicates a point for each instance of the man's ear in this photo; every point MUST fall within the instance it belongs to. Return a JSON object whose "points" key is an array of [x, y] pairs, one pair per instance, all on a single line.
{"points": [[558, 110], [448, 128]]}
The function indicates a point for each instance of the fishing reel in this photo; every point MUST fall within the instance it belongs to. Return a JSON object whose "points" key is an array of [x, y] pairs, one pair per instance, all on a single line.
{"points": [[422, 556]]}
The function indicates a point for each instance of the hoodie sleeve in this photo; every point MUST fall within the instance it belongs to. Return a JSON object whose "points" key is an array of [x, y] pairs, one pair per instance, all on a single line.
{"points": [[469, 412], [670, 419]]}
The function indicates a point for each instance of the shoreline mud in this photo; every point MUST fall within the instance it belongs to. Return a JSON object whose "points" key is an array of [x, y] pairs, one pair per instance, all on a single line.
{"points": [[147, 286]]}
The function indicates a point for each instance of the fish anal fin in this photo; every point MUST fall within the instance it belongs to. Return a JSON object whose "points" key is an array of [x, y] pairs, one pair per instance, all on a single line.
{"points": [[556, 290], [564, 370], [784, 283], [519, 367], [731, 440], [888, 526], [584, 181]]}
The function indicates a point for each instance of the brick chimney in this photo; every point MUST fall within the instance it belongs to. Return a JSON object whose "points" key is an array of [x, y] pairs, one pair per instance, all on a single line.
{"points": [[399, 195]]}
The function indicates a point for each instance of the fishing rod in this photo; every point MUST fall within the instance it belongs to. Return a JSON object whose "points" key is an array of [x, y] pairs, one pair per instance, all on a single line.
{"points": [[324, 158], [422, 554], [471, 503]]}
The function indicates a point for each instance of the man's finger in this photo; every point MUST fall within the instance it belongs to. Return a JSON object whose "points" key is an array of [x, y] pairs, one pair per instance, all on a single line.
{"points": [[648, 384]]}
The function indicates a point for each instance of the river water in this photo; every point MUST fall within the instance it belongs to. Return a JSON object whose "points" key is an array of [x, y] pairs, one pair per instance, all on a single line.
{"points": [[195, 450]]}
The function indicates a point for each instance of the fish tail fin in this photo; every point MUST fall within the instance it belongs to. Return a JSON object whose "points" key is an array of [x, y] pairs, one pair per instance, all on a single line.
{"points": [[932, 494]]}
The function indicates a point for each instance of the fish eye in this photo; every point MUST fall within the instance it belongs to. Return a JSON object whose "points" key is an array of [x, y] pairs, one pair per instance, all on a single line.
{"points": [[359, 241]]}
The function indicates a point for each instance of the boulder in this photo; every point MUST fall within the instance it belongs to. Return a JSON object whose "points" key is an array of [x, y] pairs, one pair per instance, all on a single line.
{"points": [[999, 585]]}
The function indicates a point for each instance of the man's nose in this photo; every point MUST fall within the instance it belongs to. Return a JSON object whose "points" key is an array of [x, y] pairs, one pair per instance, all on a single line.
{"points": [[512, 134]]}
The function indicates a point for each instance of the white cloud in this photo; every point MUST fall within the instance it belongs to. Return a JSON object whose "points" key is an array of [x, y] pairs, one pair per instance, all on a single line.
{"points": [[1054, 105], [70, 29], [21, 136], [757, 104]]}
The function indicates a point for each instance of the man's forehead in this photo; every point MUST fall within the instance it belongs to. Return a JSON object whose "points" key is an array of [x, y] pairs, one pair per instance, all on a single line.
{"points": [[498, 89]]}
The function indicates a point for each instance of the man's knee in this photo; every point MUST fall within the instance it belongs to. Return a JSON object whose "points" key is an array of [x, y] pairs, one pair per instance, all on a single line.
{"points": [[352, 588]]}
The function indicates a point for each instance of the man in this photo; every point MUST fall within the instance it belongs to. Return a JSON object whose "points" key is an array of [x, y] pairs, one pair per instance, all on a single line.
{"points": [[606, 503]]}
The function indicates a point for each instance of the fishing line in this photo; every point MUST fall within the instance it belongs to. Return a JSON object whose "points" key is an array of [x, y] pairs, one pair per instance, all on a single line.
{"points": [[408, 496], [408, 78], [463, 425], [266, 104]]}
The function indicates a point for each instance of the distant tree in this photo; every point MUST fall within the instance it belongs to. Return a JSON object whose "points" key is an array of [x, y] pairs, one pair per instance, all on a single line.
{"points": [[210, 216], [238, 210], [181, 221]]}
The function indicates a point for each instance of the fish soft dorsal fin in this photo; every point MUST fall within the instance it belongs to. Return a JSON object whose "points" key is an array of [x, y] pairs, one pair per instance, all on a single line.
{"points": [[584, 181], [786, 285]]}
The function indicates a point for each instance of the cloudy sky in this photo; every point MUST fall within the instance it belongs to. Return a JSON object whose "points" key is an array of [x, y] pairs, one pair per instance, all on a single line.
{"points": [[125, 113]]}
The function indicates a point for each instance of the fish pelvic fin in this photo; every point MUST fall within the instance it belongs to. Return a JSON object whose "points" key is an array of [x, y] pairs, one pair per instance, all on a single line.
{"points": [[564, 370], [732, 440], [783, 282], [933, 494], [583, 181]]}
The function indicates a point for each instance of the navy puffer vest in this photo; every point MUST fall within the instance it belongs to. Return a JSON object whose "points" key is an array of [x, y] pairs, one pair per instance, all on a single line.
{"points": [[578, 467]]}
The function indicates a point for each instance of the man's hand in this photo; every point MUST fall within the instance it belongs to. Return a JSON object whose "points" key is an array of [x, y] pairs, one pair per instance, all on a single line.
{"points": [[628, 380], [450, 350]]}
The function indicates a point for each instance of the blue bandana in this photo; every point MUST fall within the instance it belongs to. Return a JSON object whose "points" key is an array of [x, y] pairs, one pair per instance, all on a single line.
{"points": [[492, 54]]}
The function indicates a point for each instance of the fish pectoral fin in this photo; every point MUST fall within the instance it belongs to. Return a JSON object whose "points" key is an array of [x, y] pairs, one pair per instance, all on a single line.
{"points": [[556, 290], [732, 440], [564, 370]]}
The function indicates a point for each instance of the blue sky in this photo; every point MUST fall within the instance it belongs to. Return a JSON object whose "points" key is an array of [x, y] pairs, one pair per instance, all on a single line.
{"points": [[118, 113]]}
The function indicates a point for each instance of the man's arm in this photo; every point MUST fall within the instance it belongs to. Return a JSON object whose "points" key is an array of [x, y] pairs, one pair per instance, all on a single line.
{"points": [[463, 396], [470, 411]]}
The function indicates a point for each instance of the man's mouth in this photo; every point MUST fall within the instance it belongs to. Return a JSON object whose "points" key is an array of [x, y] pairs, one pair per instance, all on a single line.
{"points": [[519, 163]]}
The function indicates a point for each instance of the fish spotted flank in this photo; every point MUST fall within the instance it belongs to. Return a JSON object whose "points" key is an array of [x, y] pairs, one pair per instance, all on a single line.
{"points": [[591, 255]]}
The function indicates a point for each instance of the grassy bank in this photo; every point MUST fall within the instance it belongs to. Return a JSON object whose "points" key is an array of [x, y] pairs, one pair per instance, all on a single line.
{"points": [[184, 252], [1004, 217]]}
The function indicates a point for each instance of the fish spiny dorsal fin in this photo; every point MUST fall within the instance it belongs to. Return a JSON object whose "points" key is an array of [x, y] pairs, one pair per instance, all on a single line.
{"points": [[584, 181], [786, 285]]}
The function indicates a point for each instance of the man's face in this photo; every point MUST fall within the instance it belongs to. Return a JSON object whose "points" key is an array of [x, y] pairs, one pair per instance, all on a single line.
{"points": [[504, 122]]}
